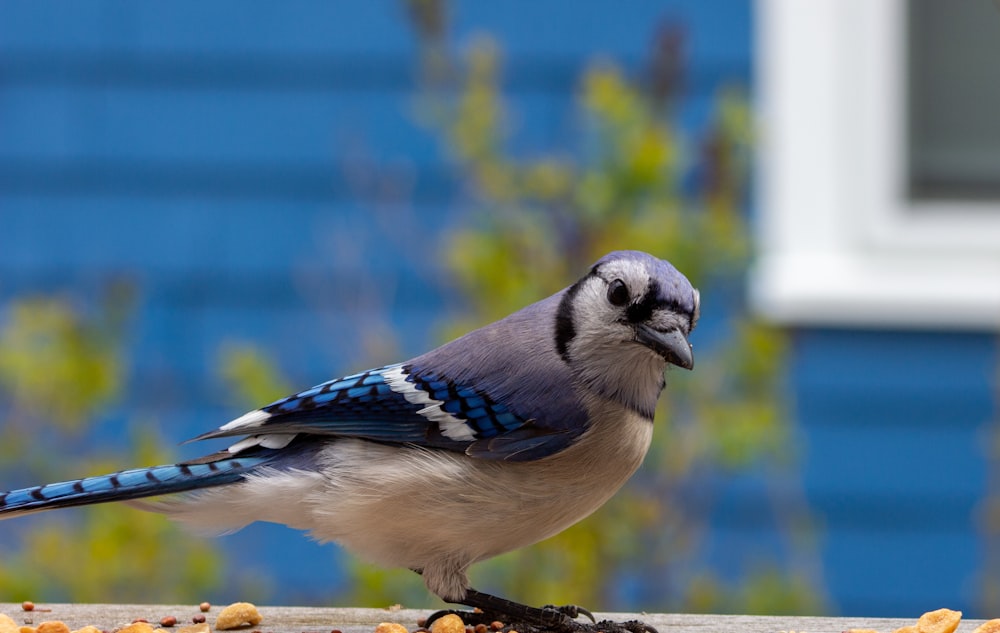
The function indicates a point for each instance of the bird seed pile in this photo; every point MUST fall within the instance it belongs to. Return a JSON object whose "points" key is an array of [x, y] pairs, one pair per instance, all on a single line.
{"points": [[236, 616], [239, 615]]}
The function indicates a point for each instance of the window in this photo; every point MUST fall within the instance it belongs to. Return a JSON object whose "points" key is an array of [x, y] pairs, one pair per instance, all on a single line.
{"points": [[879, 161], [953, 100]]}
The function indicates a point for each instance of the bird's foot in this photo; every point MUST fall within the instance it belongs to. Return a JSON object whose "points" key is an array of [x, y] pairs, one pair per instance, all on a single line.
{"points": [[493, 613], [548, 619], [549, 616], [610, 626], [571, 611]]}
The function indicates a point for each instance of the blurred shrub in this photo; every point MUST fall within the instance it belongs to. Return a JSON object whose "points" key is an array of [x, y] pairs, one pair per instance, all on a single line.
{"points": [[251, 376], [62, 369], [56, 365]]}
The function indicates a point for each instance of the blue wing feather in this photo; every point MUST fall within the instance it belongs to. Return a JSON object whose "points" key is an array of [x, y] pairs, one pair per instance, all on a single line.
{"points": [[363, 405], [134, 484]]}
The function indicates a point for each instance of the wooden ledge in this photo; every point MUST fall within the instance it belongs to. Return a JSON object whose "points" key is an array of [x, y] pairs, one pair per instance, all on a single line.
{"points": [[324, 620]]}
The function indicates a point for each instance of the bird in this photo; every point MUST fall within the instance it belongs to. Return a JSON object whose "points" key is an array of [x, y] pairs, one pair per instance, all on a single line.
{"points": [[536, 419]]}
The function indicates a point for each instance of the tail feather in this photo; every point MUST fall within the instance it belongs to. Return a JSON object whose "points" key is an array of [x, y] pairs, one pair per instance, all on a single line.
{"points": [[129, 484]]}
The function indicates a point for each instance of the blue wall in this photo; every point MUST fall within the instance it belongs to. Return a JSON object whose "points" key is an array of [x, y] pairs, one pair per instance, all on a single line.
{"points": [[262, 174], [896, 439]]}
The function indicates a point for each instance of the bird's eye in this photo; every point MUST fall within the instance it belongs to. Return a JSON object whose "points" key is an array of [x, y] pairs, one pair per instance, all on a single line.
{"points": [[618, 293]]}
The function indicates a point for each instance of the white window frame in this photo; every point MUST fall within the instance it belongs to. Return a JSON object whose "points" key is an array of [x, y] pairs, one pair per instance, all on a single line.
{"points": [[838, 241]]}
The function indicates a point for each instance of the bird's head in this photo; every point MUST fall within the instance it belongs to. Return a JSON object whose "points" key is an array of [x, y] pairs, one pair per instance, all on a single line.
{"points": [[620, 325]]}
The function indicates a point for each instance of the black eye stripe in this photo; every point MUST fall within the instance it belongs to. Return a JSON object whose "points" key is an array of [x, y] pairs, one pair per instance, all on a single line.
{"points": [[565, 331], [642, 310]]}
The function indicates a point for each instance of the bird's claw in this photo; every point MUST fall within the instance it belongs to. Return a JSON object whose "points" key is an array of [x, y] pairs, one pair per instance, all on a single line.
{"points": [[568, 623], [571, 611], [609, 626], [629, 626]]}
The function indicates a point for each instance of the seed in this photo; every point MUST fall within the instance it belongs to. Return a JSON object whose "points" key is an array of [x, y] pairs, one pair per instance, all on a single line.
{"points": [[204, 606], [168, 621], [198, 619], [140, 625], [496, 625], [449, 623], [940, 621], [990, 626], [238, 615], [53, 626]]}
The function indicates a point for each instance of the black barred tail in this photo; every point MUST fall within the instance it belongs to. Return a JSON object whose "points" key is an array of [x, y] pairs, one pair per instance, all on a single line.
{"points": [[128, 484]]}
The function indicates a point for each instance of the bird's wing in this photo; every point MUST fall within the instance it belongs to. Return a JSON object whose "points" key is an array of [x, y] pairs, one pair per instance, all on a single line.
{"points": [[399, 405]]}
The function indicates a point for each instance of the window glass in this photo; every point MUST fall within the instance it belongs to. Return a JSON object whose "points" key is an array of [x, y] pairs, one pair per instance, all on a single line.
{"points": [[953, 99]]}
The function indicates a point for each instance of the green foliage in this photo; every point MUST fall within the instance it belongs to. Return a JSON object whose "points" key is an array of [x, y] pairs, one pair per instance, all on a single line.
{"points": [[543, 219], [378, 588], [766, 590], [61, 369], [250, 375], [56, 365]]}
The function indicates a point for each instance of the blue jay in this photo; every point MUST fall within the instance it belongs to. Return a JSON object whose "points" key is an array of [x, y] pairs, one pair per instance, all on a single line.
{"points": [[535, 420]]}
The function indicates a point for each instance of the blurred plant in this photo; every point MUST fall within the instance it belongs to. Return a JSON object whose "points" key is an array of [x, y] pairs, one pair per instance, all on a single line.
{"points": [[62, 369], [251, 375], [538, 221], [54, 365]]}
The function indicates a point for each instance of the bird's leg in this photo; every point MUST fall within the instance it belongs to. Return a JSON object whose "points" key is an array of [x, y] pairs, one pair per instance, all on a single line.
{"points": [[527, 618]]}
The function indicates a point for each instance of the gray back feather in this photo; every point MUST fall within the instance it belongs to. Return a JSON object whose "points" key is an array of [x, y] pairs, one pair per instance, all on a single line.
{"points": [[514, 360]]}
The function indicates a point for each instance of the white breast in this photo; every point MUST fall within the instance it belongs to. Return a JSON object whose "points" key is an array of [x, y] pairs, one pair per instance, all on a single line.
{"points": [[434, 510], [423, 509]]}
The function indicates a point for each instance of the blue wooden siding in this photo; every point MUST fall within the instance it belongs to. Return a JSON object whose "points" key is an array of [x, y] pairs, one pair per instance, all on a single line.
{"points": [[896, 432], [228, 160]]}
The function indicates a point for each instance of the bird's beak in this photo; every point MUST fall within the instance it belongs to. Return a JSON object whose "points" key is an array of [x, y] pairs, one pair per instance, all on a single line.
{"points": [[670, 344]]}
